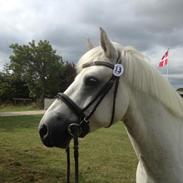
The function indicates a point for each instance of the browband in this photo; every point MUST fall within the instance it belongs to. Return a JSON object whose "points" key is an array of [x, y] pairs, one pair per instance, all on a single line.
{"points": [[98, 63]]}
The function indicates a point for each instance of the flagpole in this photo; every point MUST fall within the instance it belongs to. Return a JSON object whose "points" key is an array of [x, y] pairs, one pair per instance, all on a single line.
{"points": [[167, 67], [167, 71]]}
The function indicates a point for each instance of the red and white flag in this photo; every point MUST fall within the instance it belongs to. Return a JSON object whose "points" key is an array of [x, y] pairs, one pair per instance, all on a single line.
{"points": [[164, 60]]}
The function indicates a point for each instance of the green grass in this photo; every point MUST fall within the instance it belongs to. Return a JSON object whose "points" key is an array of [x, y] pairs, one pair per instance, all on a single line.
{"points": [[106, 155], [20, 107]]}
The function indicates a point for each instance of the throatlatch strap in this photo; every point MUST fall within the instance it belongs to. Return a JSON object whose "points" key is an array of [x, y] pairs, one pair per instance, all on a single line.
{"points": [[114, 102]]}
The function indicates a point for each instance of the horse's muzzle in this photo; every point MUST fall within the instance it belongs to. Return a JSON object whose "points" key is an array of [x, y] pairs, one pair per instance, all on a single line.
{"points": [[54, 133]]}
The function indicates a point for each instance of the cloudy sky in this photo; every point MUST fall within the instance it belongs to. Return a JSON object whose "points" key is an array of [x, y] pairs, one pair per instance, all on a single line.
{"points": [[150, 26]]}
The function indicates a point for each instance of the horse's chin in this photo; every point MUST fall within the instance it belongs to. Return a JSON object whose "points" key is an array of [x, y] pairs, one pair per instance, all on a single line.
{"points": [[62, 145]]}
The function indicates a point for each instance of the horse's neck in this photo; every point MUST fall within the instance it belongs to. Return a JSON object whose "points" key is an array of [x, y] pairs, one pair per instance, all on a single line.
{"points": [[155, 133]]}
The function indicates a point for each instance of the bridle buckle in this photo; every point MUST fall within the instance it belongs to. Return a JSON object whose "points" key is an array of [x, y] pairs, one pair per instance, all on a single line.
{"points": [[84, 127]]}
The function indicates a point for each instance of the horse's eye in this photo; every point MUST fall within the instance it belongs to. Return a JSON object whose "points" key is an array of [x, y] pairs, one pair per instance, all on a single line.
{"points": [[91, 81]]}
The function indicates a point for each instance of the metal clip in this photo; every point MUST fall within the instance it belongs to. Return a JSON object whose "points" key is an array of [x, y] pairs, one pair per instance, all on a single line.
{"points": [[74, 129]]}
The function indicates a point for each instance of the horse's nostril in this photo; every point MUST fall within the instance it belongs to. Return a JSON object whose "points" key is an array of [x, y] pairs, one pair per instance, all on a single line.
{"points": [[54, 134], [44, 134], [43, 130]]}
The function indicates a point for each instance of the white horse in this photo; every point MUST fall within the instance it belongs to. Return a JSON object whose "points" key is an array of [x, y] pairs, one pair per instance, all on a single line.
{"points": [[151, 109]]}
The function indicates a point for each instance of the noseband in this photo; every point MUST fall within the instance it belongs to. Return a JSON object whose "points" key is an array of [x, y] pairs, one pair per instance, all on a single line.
{"points": [[81, 128]]}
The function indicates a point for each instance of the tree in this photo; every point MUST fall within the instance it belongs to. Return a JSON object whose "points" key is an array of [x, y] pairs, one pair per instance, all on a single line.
{"points": [[39, 66], [11, 87], [67, 76], [180, 89]]}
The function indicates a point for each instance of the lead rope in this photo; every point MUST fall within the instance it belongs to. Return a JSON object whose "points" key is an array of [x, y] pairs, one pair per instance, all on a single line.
{"points": [[68, 164], [74, 131], [76, 158]]}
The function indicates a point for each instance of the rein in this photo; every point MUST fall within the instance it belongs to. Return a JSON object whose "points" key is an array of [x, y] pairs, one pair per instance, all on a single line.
{"points": [[81, 128]]}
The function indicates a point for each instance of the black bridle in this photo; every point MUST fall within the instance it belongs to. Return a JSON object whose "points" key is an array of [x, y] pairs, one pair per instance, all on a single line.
{"points": [[81, 128]]}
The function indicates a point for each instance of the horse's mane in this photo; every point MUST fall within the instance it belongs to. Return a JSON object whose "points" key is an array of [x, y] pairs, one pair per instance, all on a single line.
{"points": [[142, 76]]}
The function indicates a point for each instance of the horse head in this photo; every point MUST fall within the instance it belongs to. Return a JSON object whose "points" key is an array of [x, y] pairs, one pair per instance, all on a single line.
{"points": [[95, 94]]}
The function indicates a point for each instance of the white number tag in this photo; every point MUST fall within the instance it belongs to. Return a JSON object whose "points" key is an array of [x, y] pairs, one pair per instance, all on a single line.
{"points": [[118, 70]]}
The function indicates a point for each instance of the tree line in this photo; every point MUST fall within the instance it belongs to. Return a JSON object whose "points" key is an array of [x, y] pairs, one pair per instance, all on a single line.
{"points": [[35, 71]]}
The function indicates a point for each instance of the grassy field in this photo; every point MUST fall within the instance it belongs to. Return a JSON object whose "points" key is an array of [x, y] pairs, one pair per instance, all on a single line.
{"points": [[20, 107], [106, 155]]}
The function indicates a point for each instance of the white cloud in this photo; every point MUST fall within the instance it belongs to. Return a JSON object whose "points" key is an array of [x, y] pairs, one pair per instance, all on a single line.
{"points": [[151, 26]]}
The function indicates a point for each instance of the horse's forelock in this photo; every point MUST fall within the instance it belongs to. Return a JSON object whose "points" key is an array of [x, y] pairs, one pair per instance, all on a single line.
{"points": [[95, 53], [89, 56]]}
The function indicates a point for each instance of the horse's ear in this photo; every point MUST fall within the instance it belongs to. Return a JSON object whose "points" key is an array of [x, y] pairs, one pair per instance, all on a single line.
{"points": [[106, 45], [89, 44]]}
